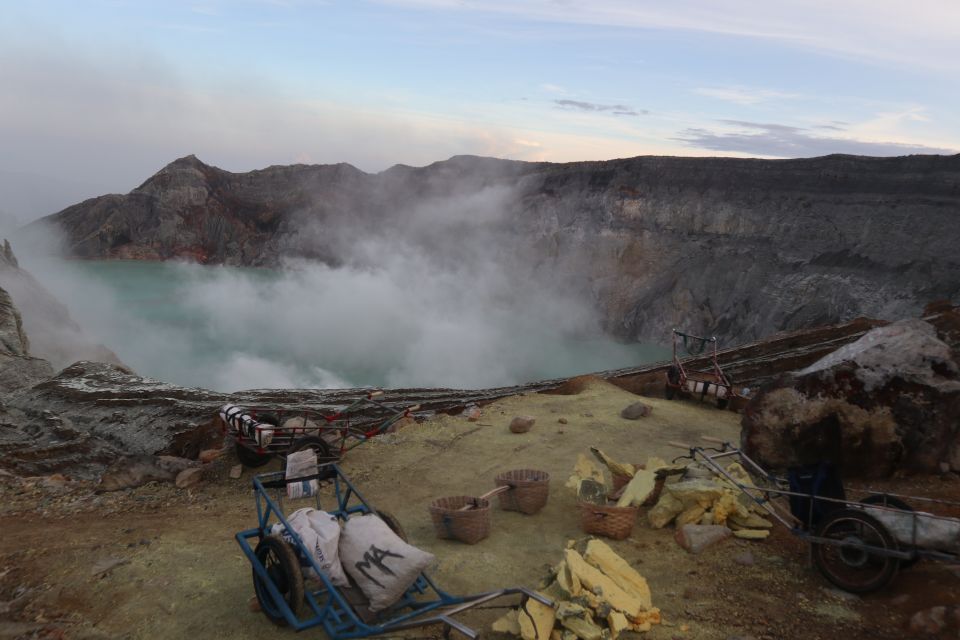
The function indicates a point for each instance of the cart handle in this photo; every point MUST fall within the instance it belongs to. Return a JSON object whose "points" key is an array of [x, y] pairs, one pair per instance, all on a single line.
{"points": [[374, 394], [713, 440], [410, 410], [681, 445]]}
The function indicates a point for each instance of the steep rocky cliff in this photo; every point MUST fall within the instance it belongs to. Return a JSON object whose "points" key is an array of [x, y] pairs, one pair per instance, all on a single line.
{"points": [[733, 247], [54, 335]]}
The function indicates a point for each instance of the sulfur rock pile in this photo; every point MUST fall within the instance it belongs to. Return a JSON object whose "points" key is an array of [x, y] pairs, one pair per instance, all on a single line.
{"points": [[711, 501], [596, 595]]}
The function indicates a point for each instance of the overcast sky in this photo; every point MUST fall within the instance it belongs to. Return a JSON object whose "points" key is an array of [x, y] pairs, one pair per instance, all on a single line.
{"points": [[98, 95]]}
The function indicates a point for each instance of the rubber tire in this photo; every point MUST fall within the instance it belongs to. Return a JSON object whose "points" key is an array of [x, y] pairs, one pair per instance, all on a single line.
{"points": [[286, 576], [670, 392], [883, 499], [250, 458], [391, 521], [890, 567], [324, 454], [722, 403]]}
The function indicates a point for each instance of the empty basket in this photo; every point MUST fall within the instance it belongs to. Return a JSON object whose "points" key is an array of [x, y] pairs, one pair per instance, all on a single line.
{"points": [[612, 522], [452, 521], [528, 490]]}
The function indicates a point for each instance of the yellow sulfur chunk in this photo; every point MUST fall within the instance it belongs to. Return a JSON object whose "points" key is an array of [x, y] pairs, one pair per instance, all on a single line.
{"points": [[617, 622], [536, 620], [692, 515], [585, 469], [508, 623], [601, 556], [595, 580], [638, 489], [752, 534]]}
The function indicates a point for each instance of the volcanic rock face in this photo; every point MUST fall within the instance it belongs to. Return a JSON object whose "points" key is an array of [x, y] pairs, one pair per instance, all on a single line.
{"points": [[737, 248], [54, 335], [889, 401]]}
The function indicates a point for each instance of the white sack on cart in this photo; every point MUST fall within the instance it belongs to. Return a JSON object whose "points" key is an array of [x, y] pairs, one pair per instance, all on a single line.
{"points": [[383, 565], [932, 532], [302, 464], [320, 533], [244, 424]]}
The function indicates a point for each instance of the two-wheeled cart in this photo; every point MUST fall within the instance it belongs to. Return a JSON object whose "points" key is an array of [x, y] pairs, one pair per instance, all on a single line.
{"points": [[261, 433], [858, 545], [682, 379], [342, 612]]}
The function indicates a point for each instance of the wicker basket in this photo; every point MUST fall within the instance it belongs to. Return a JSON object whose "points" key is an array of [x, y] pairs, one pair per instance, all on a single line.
{"points": [[529, 489], [469, 525], [612, 522]]}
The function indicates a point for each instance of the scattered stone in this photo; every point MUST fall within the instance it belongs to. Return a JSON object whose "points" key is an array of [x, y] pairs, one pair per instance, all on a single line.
{"points": [[209, 455], [697, 537], [107, 565], [840, 594], [744, 559], [931, 620], [236, 471], [189, 478], [522, 424], [562, 420], [134, 471], [636, 411], [587, 415], [57, 480], [472, 413]]}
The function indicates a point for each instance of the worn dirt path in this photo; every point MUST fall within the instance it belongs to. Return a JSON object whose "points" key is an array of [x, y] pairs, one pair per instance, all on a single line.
{"points": [[183, 575]]}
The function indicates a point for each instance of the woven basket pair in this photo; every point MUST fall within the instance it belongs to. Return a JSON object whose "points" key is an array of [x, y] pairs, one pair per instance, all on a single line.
{"points": [[529, 489], [467, 519]]}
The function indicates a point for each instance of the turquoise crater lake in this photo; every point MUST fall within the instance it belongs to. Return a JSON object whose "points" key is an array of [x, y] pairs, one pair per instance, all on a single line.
{"points": [[228, 328]]}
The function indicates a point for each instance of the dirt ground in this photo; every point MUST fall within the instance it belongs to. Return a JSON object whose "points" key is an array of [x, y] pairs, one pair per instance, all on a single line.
{"points": [[179, 573]]}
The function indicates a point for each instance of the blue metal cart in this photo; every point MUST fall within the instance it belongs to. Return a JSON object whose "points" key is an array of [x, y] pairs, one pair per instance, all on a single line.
{"points": [[342, 612]]}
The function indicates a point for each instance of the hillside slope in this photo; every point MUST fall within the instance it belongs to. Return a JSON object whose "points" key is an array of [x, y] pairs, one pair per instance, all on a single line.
{"points": [[734, 247]]}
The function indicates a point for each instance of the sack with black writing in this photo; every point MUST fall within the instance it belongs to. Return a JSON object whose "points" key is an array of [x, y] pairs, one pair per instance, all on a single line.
{"points": [[382, 564]]}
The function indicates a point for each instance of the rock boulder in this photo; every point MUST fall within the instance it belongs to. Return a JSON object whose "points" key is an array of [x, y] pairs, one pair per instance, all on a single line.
{"points": [[889, 401]]}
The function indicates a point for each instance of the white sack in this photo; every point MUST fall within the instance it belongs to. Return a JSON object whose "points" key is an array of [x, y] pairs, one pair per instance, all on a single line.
{"points": [[382, 564], [320, 533], [300, 465]]}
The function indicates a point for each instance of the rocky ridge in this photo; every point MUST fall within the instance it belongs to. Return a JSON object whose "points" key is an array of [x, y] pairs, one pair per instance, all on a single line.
{"points": [[721, 246]]}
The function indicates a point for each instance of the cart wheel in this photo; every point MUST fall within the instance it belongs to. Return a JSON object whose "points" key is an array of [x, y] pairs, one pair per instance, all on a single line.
{"points": [[669, 392], [722, 403], [318, 444], [850, 561], [250, 458], [392, 522], [283, 567], [884, 500]]}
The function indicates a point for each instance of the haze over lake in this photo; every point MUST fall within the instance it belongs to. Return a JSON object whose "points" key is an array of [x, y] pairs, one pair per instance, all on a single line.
{"points": [[228, 328]]}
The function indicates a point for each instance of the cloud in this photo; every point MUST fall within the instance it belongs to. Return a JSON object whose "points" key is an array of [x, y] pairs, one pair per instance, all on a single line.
{"points": [[784, 141], [743, 96], [616, 109], [925, 31]]}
